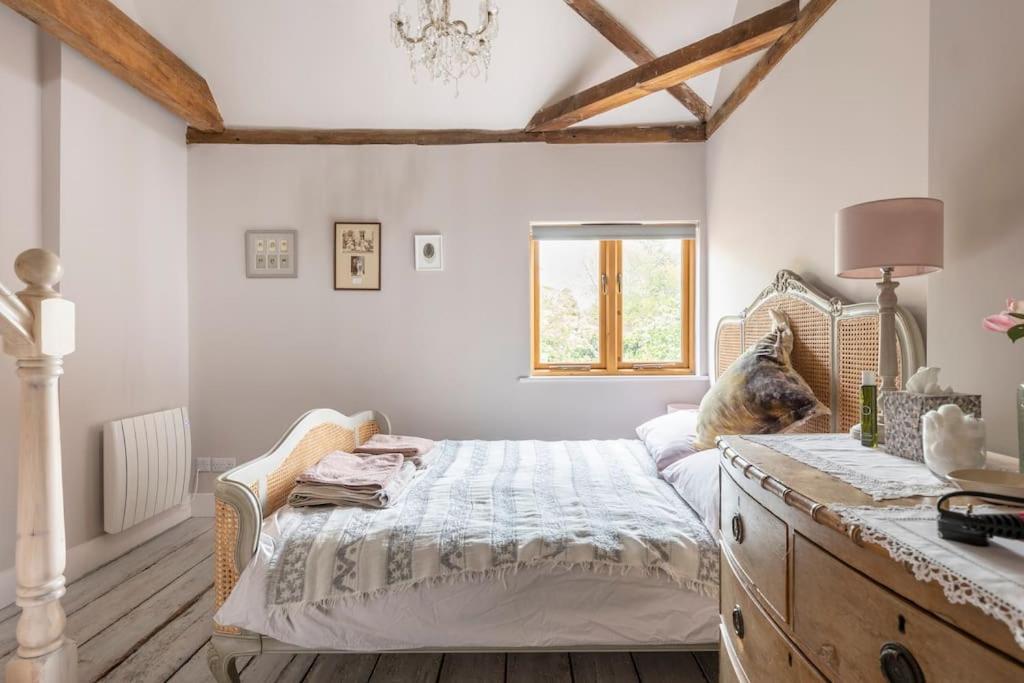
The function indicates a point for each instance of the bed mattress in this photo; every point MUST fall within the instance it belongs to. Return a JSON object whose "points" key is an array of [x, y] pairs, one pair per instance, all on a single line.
{"points": [[620, 561]]}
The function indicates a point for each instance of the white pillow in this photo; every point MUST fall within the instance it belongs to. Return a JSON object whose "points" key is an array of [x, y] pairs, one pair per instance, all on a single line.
{"points": [[670, 437], [695, 479]]}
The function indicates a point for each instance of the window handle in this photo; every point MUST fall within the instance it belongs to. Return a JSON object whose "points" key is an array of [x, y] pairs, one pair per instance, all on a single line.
{"points": [[618, 279], [604, 283]]}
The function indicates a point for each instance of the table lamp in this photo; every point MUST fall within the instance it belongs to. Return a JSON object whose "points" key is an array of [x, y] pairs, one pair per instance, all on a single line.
{"points": [[894, 238]]}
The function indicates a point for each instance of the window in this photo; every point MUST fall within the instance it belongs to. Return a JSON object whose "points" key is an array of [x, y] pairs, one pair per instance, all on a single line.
{"points": [[613, 299]]}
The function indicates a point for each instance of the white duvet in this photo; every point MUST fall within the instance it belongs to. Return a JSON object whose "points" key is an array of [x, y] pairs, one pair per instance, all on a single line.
{"points": [[491, 525]]}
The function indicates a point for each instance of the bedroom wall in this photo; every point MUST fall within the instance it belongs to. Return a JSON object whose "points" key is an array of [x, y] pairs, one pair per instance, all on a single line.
{"points": [[977, 163], [440, 352], [842, 119], [94, 169]]}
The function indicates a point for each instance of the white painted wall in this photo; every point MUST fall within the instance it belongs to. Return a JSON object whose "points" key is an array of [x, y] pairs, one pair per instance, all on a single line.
{"points": [[842, 119], [104, 168], [440, 352], [123, 202], [977, 168]]}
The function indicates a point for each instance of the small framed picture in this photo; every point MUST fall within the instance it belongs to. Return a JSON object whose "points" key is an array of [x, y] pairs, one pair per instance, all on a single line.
{"points": [[357, 250], [428, 252], [265, 255]]}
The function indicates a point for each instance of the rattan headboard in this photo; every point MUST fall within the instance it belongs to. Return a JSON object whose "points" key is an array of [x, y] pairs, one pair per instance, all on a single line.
{"points": [[834, 342]]}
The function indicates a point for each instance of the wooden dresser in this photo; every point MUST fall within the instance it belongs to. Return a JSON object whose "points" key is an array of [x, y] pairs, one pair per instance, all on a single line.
{"points": [[803, 601]]}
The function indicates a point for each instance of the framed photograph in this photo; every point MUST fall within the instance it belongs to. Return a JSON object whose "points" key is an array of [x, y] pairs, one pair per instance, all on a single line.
{"points": [[428, 252], [271, 253], [357, 256]]}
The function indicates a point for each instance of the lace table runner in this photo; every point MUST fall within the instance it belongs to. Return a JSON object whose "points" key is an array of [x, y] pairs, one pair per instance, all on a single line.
{"points": [[875, 472], [991, 577]]}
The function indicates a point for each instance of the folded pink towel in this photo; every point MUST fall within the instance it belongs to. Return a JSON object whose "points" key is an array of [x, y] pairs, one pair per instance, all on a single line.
{"points": [[412, 447], [355, 471]]}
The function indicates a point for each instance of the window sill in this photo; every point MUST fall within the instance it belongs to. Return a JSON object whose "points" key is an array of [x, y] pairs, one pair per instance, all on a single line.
{"points": [[565, 379]]}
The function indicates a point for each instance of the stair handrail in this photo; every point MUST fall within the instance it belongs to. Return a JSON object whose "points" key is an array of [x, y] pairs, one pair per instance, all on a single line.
{"points": [[38, 329]]}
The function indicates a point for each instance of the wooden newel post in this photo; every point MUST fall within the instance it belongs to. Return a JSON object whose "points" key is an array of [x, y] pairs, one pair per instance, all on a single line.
{"points": [[39, 330]]}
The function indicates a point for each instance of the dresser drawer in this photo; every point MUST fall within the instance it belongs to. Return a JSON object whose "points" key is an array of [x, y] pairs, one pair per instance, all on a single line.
{"points": [[847, 624], [762, 653], [758, 541], [728, 666]]}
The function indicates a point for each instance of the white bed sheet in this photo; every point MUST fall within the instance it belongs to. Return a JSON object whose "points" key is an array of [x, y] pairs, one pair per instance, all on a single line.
{"points": [[532, 608]]}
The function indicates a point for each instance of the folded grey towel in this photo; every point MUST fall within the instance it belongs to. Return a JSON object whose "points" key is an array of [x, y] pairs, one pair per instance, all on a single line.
{"points": [[307, 494], [414, 448]]}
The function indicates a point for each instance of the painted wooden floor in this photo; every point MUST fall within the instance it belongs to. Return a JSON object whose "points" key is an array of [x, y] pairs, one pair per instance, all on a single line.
{"points": [[146, 617]]}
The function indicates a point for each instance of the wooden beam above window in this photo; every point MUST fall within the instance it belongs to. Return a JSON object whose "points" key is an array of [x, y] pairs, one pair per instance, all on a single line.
{"points": [[664, 72], [106, 35], [809, 15], [582, 135], [621, 37]]}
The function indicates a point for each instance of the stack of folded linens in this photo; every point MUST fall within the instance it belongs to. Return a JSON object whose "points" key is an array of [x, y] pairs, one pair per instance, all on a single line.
{"points": [[413, 448], [373, 480]]}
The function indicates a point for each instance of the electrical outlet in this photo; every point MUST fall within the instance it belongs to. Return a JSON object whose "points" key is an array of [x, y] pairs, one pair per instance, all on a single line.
{"points": [[203, 465], [223, 464]]}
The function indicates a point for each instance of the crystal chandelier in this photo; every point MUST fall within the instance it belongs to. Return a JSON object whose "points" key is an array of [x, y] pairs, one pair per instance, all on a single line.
{"points": [[446, 49]]}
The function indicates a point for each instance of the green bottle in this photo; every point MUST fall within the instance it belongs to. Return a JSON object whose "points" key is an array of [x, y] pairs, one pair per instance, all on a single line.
{"points": [[868, 410]]}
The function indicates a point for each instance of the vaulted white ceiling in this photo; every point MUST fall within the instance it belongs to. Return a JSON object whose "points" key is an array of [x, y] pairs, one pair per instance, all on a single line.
{"points": [[331, 63]]}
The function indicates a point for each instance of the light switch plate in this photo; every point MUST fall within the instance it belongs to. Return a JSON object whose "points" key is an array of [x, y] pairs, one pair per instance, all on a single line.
{"points": [[271, 253]]}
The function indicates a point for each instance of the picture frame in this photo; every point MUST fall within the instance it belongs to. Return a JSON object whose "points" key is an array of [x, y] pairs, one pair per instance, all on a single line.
{"points": [[357, 256], [271, 253], [429, 252]]}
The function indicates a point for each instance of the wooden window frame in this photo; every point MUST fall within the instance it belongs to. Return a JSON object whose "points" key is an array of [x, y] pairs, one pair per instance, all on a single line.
{"points": [[611, 364]]}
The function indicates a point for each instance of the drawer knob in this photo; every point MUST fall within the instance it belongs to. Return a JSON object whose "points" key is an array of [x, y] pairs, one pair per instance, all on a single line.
{"points": [[737, 528], [737, 621], [898, 664]]}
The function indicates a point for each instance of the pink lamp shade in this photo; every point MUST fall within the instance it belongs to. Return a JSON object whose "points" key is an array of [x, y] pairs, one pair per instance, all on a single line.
{"points": [[903, 234]]}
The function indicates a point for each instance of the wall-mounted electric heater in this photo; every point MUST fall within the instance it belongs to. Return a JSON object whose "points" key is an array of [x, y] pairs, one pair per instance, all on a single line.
{"points": [[147, 463]]}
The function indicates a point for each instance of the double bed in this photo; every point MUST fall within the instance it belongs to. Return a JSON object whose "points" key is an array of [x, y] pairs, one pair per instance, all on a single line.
{"points": [[505, 545]]}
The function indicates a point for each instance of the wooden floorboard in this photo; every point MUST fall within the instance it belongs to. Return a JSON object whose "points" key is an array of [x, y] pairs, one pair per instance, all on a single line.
{"points": [[195, 670], [484, 667], [96, 584], [415, 668], [265, 668], [147, 615], [667, 667], [170, 648], [342, 669], [538, 667], [708, 662], [602, 667], [99, 655]]}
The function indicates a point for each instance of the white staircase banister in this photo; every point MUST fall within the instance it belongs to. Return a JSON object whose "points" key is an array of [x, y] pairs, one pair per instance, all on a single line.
{"points": [[38, 330], [15, 318]]}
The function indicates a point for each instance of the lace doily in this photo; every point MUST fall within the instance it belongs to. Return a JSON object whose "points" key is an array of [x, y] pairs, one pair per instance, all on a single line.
{"points": [[990, 578], [876, 473]]}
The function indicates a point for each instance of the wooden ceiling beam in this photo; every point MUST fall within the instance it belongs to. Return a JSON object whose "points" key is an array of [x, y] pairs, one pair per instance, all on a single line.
{"points": [[106, 35], [809, 15], [672, 69], [631, 46], [581, 135]]}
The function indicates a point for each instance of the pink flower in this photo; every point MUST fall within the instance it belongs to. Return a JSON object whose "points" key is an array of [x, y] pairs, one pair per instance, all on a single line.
{"points": [[1015, 306], [1000, 322]]}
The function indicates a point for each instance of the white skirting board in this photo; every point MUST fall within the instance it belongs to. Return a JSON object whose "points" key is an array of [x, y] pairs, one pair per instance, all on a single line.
{"points": [[97, 552]]}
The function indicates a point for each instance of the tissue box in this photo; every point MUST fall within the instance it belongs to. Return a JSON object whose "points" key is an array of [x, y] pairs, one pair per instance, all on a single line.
{"points": [[902, 412]]}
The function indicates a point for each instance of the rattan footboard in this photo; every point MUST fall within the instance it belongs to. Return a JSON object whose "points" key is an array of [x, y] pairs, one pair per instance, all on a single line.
{"points": [[246, 495]]}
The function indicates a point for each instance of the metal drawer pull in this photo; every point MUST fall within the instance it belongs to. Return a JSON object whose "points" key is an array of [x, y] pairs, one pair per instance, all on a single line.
{"points": [[737, 528], [737, 621], [898, 664]]}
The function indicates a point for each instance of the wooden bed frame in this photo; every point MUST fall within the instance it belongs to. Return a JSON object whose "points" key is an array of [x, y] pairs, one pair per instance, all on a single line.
{"points": [[834, 343]]}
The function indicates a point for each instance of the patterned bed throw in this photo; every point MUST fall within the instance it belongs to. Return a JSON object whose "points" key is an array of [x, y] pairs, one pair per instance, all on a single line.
{"points": [[483, 508]]}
